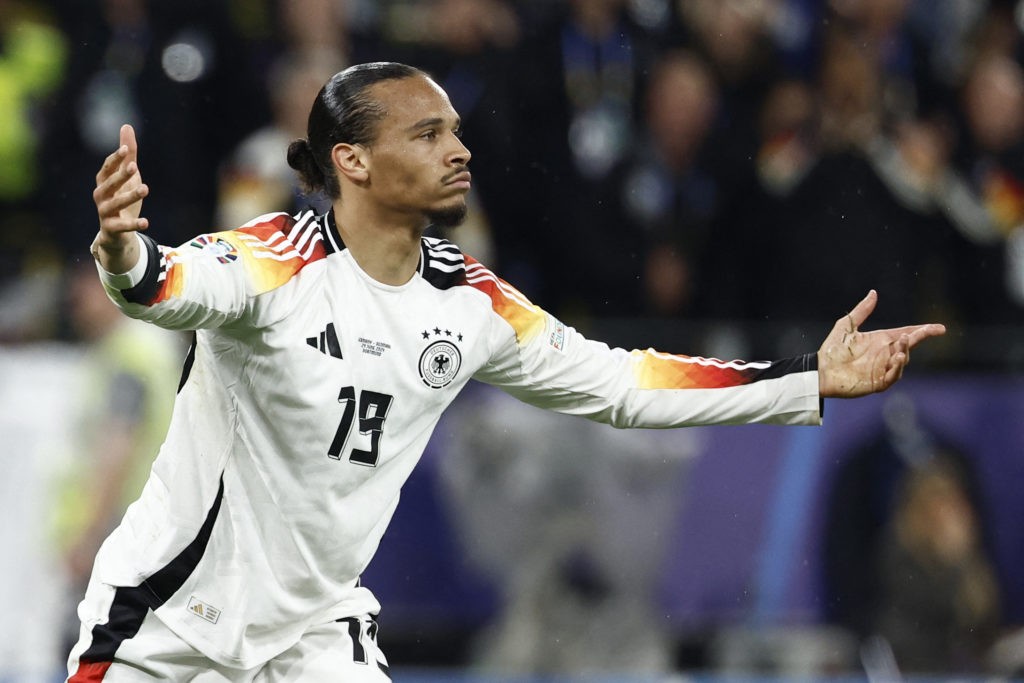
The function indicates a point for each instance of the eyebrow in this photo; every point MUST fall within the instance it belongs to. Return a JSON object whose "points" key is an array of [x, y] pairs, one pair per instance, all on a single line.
{"points": [[428, 123]]}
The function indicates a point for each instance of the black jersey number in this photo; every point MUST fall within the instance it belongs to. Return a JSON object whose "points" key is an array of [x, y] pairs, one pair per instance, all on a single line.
{"points": [[373, 409]]}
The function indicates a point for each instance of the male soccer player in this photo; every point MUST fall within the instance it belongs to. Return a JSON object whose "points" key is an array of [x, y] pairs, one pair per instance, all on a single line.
{"points": [[326, 348]]}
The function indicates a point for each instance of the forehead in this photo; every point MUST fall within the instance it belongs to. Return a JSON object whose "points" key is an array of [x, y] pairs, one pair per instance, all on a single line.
{"points": [[409, 100]]}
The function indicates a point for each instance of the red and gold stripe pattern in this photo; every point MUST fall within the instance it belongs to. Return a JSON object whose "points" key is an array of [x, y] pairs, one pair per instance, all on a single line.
{"points": [[525, 318], [273, 249], [655, 370]]}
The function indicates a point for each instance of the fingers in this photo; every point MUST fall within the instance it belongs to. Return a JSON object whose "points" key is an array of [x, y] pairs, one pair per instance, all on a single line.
{"points": [[126, 153], [111, 164], [914, 333], [127, 136], [895, 370], [118, 226], [922, 332], [118, 197], [117, 192], [112, 196], [114, 181], [898, 360], [862, 310]]}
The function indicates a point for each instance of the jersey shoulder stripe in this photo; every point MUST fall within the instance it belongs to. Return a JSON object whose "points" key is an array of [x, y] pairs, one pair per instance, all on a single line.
{"points": [[444, 264], [445, 267], [272, 248], [511, 305], [275, 247], [655, 370]]}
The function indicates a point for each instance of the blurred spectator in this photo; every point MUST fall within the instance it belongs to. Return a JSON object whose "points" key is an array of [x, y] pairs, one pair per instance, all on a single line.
{"points": [[850, 87], [667, 198], [906, 549], [843, 211], [944, 31], [963, 170], [469, 27], [578, 78], [317, 26], [735, 37], [172, 69], [939, 602], [33, 52], [787, 136], [312, 40], [810, 201], [748, 227], [881, 29], [1006, 657], [256, 179], [859, 505], [988, 174], [568, 518], [125, 395], [32, 58]]}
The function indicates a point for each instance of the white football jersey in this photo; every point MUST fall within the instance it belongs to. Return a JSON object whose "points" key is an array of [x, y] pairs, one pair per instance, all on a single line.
{"points": [[307, 399]]}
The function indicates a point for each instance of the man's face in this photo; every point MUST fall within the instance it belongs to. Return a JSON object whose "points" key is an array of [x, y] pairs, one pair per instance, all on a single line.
{"points": [[417, 163]]}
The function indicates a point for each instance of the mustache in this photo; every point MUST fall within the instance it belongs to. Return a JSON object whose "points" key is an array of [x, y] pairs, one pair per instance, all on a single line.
{"points": [[457, 171]]}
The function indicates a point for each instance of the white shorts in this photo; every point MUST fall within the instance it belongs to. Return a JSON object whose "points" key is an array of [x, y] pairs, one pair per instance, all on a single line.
{"points": [[343, 650]]}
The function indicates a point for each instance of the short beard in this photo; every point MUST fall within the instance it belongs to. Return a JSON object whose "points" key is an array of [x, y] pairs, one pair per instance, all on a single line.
{"points": [[448, 217]]}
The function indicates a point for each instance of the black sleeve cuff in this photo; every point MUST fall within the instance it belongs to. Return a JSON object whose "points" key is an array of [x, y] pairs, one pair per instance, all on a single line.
{"points": [[145, 291]]}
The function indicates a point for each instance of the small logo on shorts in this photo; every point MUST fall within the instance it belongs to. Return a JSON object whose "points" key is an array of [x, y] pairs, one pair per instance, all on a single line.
{"points": [[202, 610]]}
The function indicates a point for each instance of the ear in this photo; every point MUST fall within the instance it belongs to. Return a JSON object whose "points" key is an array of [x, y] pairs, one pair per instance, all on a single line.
{"points": [[352, 162]]}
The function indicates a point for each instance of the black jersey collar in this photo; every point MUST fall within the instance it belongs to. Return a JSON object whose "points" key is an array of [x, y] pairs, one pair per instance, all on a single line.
{"points": [[333, 240]]}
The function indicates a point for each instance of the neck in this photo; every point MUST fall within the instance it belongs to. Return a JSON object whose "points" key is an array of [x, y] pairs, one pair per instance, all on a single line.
{"points": [[386, 248]]}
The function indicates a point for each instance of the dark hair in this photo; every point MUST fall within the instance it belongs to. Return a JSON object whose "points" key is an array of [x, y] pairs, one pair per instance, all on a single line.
{"points": [[342, 112]]}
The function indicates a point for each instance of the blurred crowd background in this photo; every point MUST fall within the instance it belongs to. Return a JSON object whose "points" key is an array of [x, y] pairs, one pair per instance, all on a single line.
{"points": [[714, 177], [756, 163]]}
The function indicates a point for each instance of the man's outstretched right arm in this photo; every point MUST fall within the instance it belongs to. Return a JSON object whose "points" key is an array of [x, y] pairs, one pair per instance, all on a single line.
{"points": [[209, 281]]}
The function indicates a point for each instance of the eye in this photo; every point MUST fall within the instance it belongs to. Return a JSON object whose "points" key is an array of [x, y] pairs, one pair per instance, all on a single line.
{"points": [[428, 134], [457, 132]]}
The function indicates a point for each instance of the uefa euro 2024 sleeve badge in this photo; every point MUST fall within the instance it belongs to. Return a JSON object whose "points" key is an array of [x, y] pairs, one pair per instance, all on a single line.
{"points": [[221, 249], [441, 360]]}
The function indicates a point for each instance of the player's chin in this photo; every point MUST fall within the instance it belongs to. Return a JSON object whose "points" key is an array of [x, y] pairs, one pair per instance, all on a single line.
{"points": [[450, 214]]}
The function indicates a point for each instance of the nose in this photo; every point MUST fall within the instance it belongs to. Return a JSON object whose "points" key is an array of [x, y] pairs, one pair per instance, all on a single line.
{"points": [[460, 155]]}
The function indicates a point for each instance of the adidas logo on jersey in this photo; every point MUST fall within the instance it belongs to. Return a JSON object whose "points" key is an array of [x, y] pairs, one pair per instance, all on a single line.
{"points": [[202, 610], [326, 342]]}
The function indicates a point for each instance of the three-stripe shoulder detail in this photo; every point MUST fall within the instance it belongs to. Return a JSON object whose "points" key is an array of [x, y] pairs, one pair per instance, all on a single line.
{"points": [[444, 265], [480, 277], [284, 237]]}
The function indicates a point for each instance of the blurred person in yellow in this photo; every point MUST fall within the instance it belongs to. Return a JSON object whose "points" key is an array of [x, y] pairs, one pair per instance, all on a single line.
{"points": [[32, 59], [125, 395], [32, 55]]}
